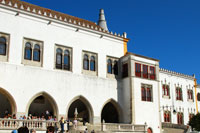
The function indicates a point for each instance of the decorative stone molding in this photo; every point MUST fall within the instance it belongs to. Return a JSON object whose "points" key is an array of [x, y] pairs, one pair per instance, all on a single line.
{"points": [[175, 73]]}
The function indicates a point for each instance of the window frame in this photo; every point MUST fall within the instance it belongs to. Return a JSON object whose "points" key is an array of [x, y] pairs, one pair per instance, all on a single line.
{"points": [[167, 116], [165, 90], [179, 94], [32, 62], [138, 71], [113, 66], [190, 95], [89, 71], [180, 118], [5, 57], [146, 93], [63, 67]]}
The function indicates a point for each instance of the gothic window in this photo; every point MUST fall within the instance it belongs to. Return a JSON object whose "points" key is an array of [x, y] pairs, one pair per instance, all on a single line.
{"points": [[63, 57], [28, 51], [179, 118], [86, 62], [59, 58], [167, 116], [146, 92], [66, 60], [32, 54], [116, 67], [89, 63], [179, 93], [165, 90], [190, 94], [109, 66], [36, 53], [2, 46], [92, 63]]}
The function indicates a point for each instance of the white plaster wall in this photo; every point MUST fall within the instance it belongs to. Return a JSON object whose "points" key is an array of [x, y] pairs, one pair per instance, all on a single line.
{"points": [[184, 106], [198, 102], [29, 27], [23, 82], [146, 111], [143, 111], [125, 100]]}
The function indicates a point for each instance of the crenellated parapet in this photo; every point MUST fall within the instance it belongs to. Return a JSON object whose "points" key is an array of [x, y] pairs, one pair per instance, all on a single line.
{"points": [[44, 12], [176, 73]]}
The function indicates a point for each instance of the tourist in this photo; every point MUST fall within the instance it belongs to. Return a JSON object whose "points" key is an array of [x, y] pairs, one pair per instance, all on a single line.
{"points": [[75, 122], [32, 131], [68, 122], [92, 131], [86, 131], [62, 122], [6, 112], [46, 114]]}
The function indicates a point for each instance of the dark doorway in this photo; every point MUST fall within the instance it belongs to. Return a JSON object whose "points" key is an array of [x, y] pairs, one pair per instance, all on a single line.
{"points": [[83, 112], [110, 114]]}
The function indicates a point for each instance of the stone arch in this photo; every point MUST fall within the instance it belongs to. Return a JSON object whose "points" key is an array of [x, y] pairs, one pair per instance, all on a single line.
{"points": [[87, 105], [6, 94], [49, 98], [116, 111]]}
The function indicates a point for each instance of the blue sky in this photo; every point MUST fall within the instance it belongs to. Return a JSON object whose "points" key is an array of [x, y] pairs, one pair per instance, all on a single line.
{"points": [[168, 30]]}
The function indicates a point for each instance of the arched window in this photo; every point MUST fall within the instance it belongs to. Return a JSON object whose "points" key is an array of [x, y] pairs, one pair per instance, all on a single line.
{"points": [[116, 67], [36, 53], [92, 63], [28, 51], [2, 46], [109, 66], [86, 62], [66, 60], [59, 58]]}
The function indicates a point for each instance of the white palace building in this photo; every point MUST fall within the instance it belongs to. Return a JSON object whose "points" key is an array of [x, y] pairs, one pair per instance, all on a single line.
{"points": [[50, 61]]}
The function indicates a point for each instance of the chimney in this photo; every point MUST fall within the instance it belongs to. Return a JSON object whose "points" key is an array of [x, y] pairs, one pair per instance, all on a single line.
{"points": [[102, 20]]}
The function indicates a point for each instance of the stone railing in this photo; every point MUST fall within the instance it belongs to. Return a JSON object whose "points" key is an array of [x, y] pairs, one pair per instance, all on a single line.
{"points": [[112, 127], [172, 125], [12, 124]]}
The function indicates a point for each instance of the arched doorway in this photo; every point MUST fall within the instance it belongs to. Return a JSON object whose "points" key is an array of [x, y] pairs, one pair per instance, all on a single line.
{"points": [[8, 105], [40, 104], [84, 109], [110, 112]]}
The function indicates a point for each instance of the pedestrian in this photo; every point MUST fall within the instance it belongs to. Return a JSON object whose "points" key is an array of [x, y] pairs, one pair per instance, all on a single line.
{"points": [[46, 114], [75, 122], [86, 131], [62, 122], [68, 122]]}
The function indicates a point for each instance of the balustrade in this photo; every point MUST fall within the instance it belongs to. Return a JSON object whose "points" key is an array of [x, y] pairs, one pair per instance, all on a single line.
{"points": [[11, 124]]}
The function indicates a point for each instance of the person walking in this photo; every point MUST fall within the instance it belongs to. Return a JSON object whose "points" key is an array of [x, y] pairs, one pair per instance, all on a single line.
{"points": [[62, 122]]}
